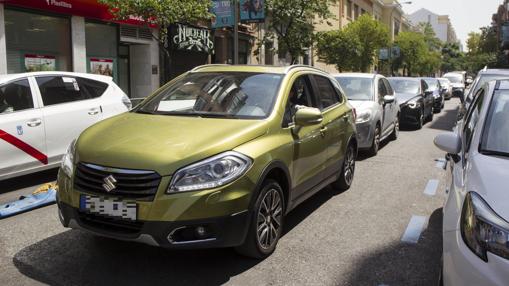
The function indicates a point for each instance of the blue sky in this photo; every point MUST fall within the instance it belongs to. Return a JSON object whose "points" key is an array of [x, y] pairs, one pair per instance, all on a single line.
{"points": [[466, 15]]}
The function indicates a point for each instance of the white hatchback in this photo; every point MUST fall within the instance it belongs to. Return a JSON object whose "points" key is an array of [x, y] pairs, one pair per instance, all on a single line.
{"points": [[476, 216], [42, 112]]}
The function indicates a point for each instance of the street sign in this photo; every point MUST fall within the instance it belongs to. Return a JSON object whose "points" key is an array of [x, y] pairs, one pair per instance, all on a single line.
{"points": [[395, 52], [383, 54]]}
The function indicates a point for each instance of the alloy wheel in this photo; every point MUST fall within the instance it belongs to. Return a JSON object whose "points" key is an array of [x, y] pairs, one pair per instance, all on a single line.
{"points": [[349, 166], [269, 219]]}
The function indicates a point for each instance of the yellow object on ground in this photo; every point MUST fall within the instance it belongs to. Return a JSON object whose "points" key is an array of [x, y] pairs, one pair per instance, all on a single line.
{"points": [[45, 188]]}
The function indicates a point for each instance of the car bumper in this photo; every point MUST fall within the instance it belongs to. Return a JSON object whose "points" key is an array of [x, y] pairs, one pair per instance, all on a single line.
{"points": [[409, 115], [223, 212], [463, 267], [365, 133]]}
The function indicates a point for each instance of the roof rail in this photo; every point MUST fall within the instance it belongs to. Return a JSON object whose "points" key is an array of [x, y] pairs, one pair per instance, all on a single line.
{"points": [[288, 69], [204, 66]]}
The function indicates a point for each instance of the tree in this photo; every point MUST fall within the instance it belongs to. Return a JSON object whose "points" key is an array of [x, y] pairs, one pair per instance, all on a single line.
{"points": [[430, 36], [413, 49], [292, 23], [162, 13], [339, 48], [473, 42], [372, 36]]}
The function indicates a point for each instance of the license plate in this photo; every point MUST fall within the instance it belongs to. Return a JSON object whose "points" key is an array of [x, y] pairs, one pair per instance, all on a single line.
{"points": [[115, 208]]}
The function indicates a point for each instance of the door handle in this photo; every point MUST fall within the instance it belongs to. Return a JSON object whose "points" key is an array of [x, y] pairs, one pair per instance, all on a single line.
{"points": [[323, 130], [93, 111], [34, 122]]}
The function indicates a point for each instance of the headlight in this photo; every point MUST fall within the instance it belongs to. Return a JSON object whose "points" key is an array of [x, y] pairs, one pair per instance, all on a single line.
{"points": [[210, 173], [67, 165], [363, 116], [413, 104], [482, 229]]}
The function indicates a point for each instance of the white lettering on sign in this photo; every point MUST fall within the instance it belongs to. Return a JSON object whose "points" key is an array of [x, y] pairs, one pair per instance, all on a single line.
{"points": [[188, 38], [57, 3]]}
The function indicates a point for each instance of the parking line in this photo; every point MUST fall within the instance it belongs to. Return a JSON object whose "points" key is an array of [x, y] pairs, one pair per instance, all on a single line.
{"points": [[431, 187], [414, 229]]}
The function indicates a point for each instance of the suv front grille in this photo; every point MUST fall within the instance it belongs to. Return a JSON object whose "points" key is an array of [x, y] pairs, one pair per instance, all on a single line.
{"points": [[132, 184]]}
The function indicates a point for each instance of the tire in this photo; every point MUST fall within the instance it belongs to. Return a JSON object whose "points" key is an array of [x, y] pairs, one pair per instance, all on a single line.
{"points": [[395, 131], [420, 120], [430, 116], [345, 180], [266, 226], [375, 145]]}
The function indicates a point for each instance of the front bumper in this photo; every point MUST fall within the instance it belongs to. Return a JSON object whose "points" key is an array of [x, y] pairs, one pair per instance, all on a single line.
{"points": [[409, 115], [224, 212], [365, 133], [463, 267]]}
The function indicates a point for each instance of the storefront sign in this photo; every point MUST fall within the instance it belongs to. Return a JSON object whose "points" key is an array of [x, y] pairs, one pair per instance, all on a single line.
{"points": [[252, 11], [84, 8], [101, 66], [39, 63], [186, 37], [223, 14]]}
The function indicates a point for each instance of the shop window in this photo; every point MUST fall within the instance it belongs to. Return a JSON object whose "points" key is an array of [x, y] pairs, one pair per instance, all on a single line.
{"points": [[15, 96], [37, 42], [102, 49]]}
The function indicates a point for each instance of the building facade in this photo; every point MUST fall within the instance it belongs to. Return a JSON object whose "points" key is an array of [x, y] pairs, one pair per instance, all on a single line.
{"points": [[78, 36], [441, 24]]}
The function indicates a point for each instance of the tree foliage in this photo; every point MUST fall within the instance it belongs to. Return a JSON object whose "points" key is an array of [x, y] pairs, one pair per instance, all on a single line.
{"points": [[413, 50], [293, 24], [355, 47], [162, 13]]}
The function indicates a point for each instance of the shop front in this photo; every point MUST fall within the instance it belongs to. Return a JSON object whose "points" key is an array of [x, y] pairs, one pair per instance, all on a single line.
{"points": [[79, 36]]}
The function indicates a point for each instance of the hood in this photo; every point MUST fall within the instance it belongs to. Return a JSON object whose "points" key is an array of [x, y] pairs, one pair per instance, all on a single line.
{"points": [[488, 177], [405, 97], [360, 105], [162, 143]]}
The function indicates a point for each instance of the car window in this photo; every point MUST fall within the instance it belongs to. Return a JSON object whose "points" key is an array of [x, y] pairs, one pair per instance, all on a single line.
{"points": [[63, 89], [357, 88], [495, 139], [388, 87], [15, 96], [471, 122], [300, 95], [382, 91], [405, 85], [328, 95], [424, 86]]}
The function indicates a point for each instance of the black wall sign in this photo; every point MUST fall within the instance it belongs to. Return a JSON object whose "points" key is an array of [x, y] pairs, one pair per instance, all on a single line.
{"points": [[191, 38]]}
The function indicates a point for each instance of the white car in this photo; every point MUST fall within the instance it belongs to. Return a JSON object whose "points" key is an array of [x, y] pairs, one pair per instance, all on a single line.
{"points": [[42, 112], [476, 213], [377, 109]]}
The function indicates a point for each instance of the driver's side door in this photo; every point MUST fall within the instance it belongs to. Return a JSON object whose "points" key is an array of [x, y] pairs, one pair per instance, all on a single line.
{"points": [[309, 142]]}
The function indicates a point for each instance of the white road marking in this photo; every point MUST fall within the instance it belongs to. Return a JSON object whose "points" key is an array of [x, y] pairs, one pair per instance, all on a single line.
{"points": [[414, 229], [431, 187]]}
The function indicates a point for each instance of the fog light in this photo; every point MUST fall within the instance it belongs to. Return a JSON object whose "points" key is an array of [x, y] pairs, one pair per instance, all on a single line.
{"points": [[201, 231]]}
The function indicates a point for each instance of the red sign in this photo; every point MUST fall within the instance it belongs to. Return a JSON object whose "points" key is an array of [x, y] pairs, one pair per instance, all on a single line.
{"points": [[84, 8]]}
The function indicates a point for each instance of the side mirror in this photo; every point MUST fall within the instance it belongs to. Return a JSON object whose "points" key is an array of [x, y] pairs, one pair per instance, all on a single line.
{"points": [[306, 116], [449, 142], [389, 99]]}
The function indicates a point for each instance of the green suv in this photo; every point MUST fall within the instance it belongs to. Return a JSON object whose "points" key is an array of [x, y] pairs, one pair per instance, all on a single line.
{"points": [[215, 158]]}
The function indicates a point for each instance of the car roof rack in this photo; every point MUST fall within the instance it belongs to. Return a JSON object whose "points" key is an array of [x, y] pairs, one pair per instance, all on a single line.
{"points": [[206, 66], [289, 68]]}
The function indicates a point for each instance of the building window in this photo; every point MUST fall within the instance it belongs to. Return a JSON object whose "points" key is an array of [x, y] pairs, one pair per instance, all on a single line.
{"points": [[37, 42], [349, 9], [356, 11]]}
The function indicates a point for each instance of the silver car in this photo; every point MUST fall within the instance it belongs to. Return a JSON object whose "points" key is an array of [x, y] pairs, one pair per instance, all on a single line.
{"points": [[377, 110], [475, 214]]}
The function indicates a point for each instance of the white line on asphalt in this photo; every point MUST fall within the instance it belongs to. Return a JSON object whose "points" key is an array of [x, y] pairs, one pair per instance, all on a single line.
{"points": [[431, 187], [414, 229]]}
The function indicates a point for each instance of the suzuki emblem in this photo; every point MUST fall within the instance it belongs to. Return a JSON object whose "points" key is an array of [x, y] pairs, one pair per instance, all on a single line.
{"points": [[109, 183]]}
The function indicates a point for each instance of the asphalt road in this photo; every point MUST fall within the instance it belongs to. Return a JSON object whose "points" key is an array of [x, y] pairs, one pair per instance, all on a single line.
{"points": [[349, 238]]}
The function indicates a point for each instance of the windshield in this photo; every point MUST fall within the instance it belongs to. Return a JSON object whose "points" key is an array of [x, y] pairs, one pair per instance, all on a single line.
{"points": [[496, 133], [218, 94], [357, 88], [405, 85], [443, 82], [432, 84], [454, 78]]}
